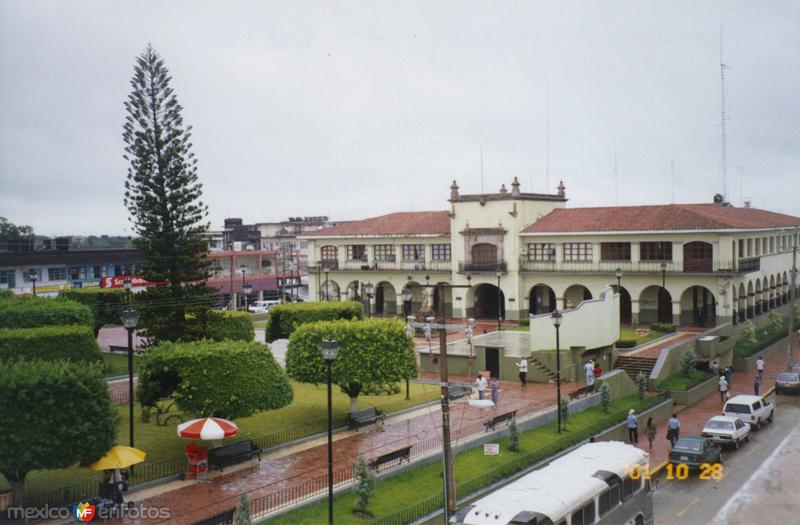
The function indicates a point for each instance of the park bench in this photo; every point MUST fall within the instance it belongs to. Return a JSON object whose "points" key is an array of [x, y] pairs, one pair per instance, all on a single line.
{"points": [[458, 391], [396, 455], [223, 518], [582, 391], [364, 417], [643, 332], [231, 454], [116, 348], [507, 417]]}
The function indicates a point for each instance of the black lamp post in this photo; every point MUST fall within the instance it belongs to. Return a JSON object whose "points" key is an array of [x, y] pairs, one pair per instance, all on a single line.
{"points": [[406, 294], [327, 284], [557, 323], [33, 274], [369, 288], [247, 289], [664, 275], [499, 274], [243, 269], [329, 350], [618, 275], [130, 318], [128, 284]]}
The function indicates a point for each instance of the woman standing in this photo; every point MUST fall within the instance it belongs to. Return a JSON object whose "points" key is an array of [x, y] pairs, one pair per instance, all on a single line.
{"points": [[650, 431], [494, 384]]}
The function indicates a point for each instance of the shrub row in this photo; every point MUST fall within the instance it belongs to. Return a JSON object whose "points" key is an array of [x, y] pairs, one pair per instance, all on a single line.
{"points": [[71, 342], [106, 304], [667, 328], [285, 318], [6, 294], [236, 326], [205, 378], [30, 312], [764, 338], [626, 343]]}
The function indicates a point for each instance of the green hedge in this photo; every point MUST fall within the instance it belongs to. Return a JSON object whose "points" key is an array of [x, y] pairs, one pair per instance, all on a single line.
{"points": [[236, 326], [681, 382], [285, 318], [106, 304], [667, 328], [764, 338], [30, 312], [70, 342], [627, 343], [205, 378], [6, 294]]}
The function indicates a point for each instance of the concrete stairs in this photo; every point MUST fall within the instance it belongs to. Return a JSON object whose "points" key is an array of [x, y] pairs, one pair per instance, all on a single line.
{"points": [[633, 365], [535, 364]]}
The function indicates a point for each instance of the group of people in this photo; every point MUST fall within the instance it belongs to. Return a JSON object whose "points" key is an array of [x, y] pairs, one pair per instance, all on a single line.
{"points": [[493, 384], [726, 378], [592, 370], [673, 429]]}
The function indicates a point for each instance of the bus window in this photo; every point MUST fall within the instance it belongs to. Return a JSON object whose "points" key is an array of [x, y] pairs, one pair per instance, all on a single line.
{"points": [[608, 500], [585, 515]]}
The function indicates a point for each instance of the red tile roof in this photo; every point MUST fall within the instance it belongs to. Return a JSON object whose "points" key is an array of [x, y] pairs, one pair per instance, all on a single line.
{"points": [[667, 217], [401, 223]]}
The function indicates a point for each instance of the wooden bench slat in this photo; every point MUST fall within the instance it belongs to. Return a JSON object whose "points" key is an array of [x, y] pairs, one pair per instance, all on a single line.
{"points": [[508, 416]]}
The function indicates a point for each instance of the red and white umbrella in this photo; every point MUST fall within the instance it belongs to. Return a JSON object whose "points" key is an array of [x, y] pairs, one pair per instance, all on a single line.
{"points": [[207, 428]]}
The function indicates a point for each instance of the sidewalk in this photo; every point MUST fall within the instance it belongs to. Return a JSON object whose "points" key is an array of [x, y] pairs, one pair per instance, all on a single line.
{"points": [[282, 478], [693, 418]]}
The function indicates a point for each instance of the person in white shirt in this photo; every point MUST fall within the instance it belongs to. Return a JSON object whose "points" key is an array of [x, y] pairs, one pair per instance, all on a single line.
{"points": [[523, 371], [589, 368], [481, 384], [760, 367], [723, 388]]}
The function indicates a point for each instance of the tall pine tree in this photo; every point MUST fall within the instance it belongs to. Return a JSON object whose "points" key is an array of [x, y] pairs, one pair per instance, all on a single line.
{"points": [[162, 194]]}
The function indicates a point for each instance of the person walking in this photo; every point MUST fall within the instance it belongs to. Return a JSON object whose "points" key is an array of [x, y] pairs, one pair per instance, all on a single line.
{"points": [[650, 431], [714, 367], [494, 384], [589, 369], [523, 371], [633, 427], [756, 384], [760, 368], [729, 375], [723, 388], [480, 384], [597, 370], [673, 429]]}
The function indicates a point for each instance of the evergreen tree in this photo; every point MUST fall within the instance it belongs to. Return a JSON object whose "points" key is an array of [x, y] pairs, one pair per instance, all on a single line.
{"points": [[564, 407], [605, 396], [641, 384], [688, 362], [242, 516], [365, 484], [162, 194], [513, 436]]}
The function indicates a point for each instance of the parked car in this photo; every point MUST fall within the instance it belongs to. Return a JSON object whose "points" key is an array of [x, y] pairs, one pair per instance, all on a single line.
{"points": [[753, 410], [788, 383], [693, 451], [726, 430], [262, 307]]}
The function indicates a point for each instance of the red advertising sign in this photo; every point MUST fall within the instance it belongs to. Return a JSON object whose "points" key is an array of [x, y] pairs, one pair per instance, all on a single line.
{"points": [[136, 281]]}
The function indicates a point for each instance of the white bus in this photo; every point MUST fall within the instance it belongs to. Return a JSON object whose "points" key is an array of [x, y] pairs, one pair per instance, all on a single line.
{"points": [[597, 483]]}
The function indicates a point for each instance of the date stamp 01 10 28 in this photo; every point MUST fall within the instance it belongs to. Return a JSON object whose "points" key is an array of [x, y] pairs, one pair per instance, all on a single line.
{"points": [[705, 471]]}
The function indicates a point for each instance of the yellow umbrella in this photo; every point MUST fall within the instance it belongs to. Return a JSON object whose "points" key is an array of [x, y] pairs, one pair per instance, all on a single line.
{"points": [[118, 457]]}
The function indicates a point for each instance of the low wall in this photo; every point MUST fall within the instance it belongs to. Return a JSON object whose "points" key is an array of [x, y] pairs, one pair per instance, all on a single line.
{"points": [[660, 412], [619, 382], [745, 364], [694, 394]]}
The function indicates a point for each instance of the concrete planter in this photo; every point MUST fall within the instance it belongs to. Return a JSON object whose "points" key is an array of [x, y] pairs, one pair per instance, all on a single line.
{"points": [[746, 364], [694, 394]]}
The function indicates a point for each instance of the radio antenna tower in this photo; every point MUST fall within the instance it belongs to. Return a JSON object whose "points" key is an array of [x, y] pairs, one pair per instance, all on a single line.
{"points": [[547, 137], [723, 118]]}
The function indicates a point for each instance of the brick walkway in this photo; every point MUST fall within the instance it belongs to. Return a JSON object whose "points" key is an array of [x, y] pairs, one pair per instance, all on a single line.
{"points": [[654, 349], [281, 479], [694, 418]]}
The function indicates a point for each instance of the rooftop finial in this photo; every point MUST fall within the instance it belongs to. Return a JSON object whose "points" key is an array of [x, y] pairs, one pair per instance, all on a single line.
{"points": [[561, 189], [453, 190], [515, 187], [503, 188]]}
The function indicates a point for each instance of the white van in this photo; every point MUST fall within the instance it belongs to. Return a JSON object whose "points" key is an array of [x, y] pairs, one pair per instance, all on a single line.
{"points": [[262, 307], [753, 410]]}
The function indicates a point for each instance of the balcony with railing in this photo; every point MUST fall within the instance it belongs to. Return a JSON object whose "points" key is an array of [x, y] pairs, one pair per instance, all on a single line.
{"points": [[482, 267], [641, 267], [363, 265]]}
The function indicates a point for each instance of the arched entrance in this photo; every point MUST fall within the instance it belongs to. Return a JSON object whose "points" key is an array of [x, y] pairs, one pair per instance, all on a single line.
{"points": [[330, 291], [542, 300], [625, 308], [353, 291], [751, 298], [772, 302], [443, 299], [759, 298], [385, 299], [698, 307], [741, 304], [698, 256], [655, 305], [417, 297], [488, 299], [575, 295]]}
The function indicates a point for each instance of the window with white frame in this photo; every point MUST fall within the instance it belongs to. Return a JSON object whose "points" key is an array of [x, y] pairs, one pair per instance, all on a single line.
{"points": [[541, 251], [383, 252], [56, 274], [8, 278], [440, 252], [413, 252], [356, 252], [577, 251]]}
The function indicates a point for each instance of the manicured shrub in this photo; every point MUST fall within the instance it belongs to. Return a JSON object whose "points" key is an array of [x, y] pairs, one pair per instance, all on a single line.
{"points": [[564, 407], [236, 326], [775, 320], [513, 436], [6, 294], [285, 318], [663, 327], [30, 312], [688, 362], [54, 415], [70, 342], [605, 396], [373, 353], [228, 379], [641, 384], [242, 516], [365, 483], [106, 304], [626, 343]]}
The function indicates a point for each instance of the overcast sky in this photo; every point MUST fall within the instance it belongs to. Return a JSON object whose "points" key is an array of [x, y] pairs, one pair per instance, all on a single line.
{"points": [[354, 109]]}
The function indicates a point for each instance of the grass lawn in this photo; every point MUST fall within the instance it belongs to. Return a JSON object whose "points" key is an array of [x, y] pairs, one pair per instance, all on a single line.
{"points": [[117, 364], [473, 469], [680, 381], [260, 325], [309, 406], [627, 332]]}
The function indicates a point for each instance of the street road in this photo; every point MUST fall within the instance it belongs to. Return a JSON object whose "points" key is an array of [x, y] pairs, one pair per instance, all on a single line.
{"points": [[759, 483]]}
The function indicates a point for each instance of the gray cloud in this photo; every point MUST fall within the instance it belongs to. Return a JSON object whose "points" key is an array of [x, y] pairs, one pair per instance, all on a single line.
{"points": [[357, 108]]}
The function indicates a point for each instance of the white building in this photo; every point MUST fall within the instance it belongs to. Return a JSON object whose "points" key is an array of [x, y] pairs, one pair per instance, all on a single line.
{"points": [[690, 264]]}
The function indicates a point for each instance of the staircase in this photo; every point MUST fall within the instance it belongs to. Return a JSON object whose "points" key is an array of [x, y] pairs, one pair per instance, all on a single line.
{"points": [[537, 365], [633, 365]]}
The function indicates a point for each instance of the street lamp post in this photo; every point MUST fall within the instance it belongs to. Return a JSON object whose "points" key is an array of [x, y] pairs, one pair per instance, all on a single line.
{"points": [[243, 269], [406, 294], [557, 323], [369, 288], [499, 274], [329, 350], [327, 284], [33, 274], [618, 275], [664, 275], [247, 289], [130, 318], [128, 284]]}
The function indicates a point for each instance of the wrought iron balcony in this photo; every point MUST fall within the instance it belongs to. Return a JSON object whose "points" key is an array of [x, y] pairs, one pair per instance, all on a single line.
{"points": [[482, 267], [389, 266], [641, 267]]}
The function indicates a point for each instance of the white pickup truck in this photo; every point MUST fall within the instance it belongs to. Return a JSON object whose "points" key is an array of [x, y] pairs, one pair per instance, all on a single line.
{"points": [[753, 410]]}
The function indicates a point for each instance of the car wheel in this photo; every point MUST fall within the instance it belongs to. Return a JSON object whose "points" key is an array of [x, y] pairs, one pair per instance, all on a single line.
{"points": [[757, 425], [736, 445], [770, 416], [747, 438]]}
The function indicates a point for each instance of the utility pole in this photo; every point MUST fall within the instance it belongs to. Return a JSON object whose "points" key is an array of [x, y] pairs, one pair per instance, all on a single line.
{"points": [[793, 302]]}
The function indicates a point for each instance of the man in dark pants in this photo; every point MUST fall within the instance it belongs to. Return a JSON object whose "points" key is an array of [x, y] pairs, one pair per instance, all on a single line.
{"points": [[523, 371], [633, 427]]}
